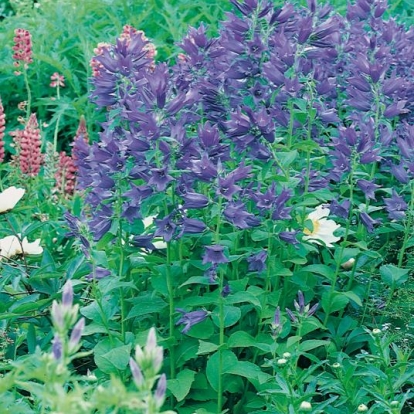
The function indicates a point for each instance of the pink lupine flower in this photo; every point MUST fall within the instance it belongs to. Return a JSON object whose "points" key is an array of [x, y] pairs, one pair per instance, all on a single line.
{"points": [[29, 143], [66, 175], [22, 48], [2, 128], [57, 80]]}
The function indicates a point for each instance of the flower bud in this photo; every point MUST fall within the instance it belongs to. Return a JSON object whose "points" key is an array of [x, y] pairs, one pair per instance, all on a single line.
{"points": [[159, 395], [287, 355], [57, 348], [394, 403], [281, 361], [136, 373], [305, 406], [362, 408], [76, 335], [376, 332], [349, 264], [336, 365]]}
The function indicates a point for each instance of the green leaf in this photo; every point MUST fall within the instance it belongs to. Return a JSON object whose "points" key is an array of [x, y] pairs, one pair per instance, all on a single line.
{"points": [[146, 305], [202, 280], [248, 370], [312, 344], [334, 302], [231, 316], [320, 269], [180, 387], [240, 297], [212, 369], [259, 235], [354, 297], [203, 330], [99, 314], [206, 348], [241, 339], [393, 276], [111, 356]]}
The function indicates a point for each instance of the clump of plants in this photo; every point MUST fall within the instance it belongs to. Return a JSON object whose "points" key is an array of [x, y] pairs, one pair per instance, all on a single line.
{"points": [[253, 203]]}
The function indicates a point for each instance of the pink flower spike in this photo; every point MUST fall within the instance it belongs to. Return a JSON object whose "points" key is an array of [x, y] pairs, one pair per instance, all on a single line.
{"points": [[22, 48], [29, 144]]}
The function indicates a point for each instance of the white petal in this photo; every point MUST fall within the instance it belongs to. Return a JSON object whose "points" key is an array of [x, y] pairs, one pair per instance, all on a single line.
{"points": [[319, 213], [33, 247], [10, 197], [148, 221]]}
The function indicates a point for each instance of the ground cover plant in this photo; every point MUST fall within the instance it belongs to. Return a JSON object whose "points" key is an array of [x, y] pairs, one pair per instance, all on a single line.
{"points": [[236, 235]]}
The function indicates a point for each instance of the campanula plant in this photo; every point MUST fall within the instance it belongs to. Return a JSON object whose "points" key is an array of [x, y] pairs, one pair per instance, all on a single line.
{"points": [[274, 160]]}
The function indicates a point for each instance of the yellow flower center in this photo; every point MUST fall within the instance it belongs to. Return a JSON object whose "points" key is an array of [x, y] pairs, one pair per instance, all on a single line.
{"points": [[315, 225]]}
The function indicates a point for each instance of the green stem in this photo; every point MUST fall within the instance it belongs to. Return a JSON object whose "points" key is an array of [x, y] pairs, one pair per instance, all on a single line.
{"points": [[221, 343], [269, 254], [170, 288], [29, 94], [341, 252], [408, 227], [55, 135], [290, 128]]}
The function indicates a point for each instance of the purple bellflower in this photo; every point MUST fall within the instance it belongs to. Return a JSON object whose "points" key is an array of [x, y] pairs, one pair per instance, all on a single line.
{"points": [[368, 222], [396, 206], [190, 319], [214, 255], [257, 261]]}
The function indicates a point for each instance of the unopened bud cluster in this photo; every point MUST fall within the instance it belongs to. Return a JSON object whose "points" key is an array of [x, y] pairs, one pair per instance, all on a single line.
{"points": [[145, 368], [64, 317]]}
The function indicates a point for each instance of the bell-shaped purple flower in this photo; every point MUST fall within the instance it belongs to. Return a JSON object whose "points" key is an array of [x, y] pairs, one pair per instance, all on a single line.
{"points": [[289, 237], [368, 222], [165, 228], [257, 261], [340, 209], [195, 200], [214, 254], [160, 178], [190, 319], [236, 213], [368, 188], [396, 206]]}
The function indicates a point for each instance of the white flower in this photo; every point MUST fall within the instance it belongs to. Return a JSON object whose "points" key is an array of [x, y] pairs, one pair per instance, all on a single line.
{"points": [[323, 229], [12, 245], [10, 197]]}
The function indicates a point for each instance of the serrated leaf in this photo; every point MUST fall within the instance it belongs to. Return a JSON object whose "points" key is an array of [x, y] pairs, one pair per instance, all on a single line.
{"points": [[206, 348], [146, 305], [248, 370], [111, 356], [180, 387], [393, 275], [312, 344], [231, 316], [212, 369]]}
